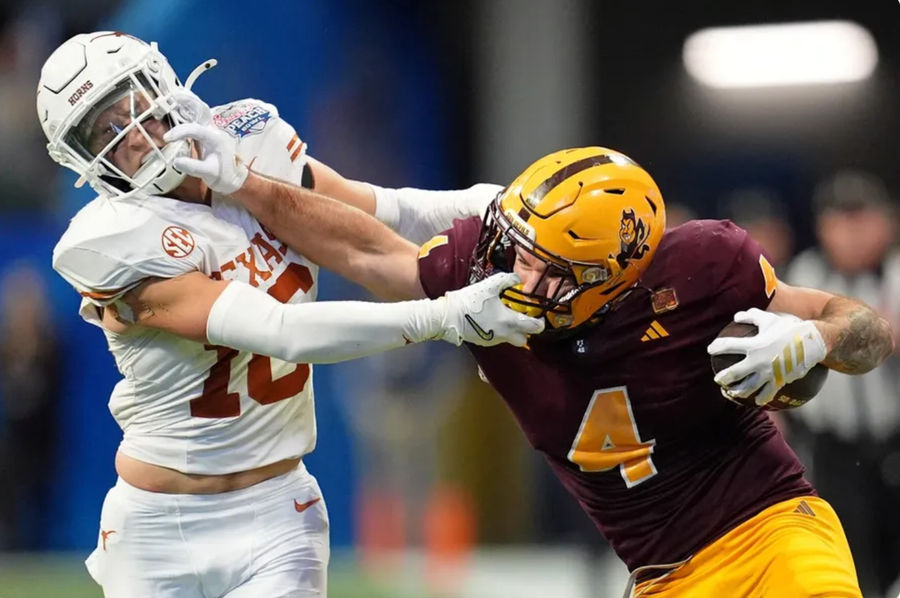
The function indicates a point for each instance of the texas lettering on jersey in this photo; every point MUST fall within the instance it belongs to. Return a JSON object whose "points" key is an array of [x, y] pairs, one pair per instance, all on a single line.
{"points": [[258, 271]]}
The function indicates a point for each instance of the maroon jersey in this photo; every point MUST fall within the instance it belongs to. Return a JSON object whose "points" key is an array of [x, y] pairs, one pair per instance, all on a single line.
{"points": [[626, 411]]}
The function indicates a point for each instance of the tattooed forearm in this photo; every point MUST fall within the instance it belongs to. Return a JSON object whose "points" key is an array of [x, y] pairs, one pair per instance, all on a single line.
{"points": [[858, 337]]}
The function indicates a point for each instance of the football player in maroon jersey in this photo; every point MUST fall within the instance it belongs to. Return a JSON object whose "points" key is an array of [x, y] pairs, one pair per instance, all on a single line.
{"points": [[698, 495]]}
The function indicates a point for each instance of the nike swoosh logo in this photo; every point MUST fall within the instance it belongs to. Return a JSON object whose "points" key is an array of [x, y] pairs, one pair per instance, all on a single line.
{"points": [[485, 334], [302, 506]]}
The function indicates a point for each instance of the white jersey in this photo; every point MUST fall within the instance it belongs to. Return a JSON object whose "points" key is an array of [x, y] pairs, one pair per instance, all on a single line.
{"points": [[183, 405]]}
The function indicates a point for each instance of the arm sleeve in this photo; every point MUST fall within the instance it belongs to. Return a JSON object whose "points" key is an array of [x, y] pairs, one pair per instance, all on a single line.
{"points": [[328, 332], [418, 215]]}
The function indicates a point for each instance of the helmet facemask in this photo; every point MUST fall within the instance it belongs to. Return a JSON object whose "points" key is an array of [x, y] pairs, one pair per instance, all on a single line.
{"points": [[130, 104], [100, 89], [496, 252]]}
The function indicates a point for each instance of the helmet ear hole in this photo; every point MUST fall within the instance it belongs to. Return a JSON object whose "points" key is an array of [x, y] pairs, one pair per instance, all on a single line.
{"points": [[560, 320], [594, 274]]}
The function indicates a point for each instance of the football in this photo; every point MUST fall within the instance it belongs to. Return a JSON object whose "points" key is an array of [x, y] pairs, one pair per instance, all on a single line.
{"points": [[790, 396]]}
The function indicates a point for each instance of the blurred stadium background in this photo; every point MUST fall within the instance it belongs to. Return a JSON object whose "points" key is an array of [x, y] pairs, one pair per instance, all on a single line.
{"points": [[431, 488]]}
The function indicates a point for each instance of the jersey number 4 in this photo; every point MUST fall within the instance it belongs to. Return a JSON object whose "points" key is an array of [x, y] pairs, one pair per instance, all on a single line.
{"points": [[608, 437], [216, 401]]}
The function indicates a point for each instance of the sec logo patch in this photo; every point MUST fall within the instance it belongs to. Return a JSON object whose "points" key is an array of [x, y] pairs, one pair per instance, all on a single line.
{"points": [[177, 242]]}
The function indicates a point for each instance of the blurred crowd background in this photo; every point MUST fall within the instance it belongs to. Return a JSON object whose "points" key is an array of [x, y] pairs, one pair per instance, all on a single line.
{"points": [[431, 488]]}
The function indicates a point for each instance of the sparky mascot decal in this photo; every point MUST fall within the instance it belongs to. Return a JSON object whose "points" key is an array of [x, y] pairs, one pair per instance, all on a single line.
{"points": [[632, 238]]}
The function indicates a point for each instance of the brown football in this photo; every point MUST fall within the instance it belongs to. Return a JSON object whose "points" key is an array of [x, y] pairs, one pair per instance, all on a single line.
{"points": [[790, 395]]}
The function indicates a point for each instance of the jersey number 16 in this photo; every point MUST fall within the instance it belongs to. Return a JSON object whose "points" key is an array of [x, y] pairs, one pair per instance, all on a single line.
{"points": [[216, 401]]}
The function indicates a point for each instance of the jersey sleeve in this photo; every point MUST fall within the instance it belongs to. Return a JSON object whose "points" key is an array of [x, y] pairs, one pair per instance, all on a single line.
{"points": [[746, 278], [265, 140], [108, 250], [444, 260]]}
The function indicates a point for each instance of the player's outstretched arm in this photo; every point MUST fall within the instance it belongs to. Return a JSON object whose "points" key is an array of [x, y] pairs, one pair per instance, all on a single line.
{"points": [[416, 214], [236, 315], [334, 235]]}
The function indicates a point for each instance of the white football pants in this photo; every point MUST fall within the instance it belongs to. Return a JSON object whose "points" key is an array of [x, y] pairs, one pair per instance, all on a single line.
{"points": [[269, 540]]}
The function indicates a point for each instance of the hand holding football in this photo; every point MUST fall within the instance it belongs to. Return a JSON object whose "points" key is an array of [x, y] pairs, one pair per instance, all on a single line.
{"points": [[791, 395]]}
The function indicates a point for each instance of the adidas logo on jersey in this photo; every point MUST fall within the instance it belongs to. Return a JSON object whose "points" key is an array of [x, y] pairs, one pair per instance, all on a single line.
{"points": [[804, 509], [654, 332]]}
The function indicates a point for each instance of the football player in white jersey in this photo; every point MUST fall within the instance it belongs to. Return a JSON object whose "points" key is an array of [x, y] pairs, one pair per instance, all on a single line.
{"points": [[211, 322]]}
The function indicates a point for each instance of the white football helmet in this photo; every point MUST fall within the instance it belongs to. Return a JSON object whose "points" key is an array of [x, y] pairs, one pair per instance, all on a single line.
{"points": [[85, 77]]}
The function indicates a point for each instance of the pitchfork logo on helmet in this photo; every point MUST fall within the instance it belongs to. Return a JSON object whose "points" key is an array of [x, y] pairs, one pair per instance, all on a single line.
{"points": [[592, 215], [95, 89]]}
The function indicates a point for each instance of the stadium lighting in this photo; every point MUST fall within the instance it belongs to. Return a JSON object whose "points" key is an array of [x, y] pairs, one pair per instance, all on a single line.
{"points": [[780, 55]]}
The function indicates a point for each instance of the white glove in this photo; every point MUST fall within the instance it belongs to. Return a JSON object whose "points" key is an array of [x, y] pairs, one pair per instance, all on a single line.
{"points": [[475, 314], [190, 107], [783, 350], [218, 164]]}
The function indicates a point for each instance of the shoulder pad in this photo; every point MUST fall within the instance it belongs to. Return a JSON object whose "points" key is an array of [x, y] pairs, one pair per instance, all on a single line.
{"points": [[111, 246], [264, 139], [699, 243]]}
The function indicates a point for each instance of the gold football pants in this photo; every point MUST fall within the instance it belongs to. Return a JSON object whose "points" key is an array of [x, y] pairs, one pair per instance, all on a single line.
{"points": [[793, 549]]}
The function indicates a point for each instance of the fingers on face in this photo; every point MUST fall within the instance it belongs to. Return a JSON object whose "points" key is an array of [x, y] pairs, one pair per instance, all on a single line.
{"points": [[194, 167], [203, 134], [535, 325]]}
